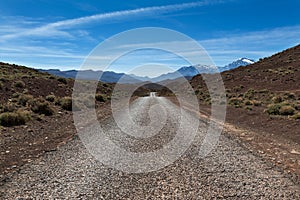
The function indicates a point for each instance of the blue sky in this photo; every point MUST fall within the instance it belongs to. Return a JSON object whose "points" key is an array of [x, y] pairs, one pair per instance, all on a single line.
{"points": [[60, 34]]}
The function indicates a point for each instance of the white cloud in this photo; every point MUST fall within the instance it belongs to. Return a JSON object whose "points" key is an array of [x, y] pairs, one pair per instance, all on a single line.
{"points": [[55, 28]]}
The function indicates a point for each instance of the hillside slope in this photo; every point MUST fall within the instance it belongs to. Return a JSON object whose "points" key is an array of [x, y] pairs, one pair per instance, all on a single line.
{"points": [[35, 113], [264, 102]]}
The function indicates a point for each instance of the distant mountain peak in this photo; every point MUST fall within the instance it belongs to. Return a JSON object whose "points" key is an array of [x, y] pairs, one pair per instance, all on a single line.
{"points": [[247, 60], [240, 62]]}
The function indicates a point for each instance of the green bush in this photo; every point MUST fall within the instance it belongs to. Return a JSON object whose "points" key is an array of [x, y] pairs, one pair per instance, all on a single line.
{"points": [[248, 103], [249, 94], [277, 99], [14, 118], [297, 106], [248, 108], [41, 107], [19, 84], [296, 116], [62, 80], [286, 110], [9, 107], [237, 102], [66, 103], [256, 103], [263, 91], [273, 109], [50, 98], [24, 98], [100, 98], [291, 96]]}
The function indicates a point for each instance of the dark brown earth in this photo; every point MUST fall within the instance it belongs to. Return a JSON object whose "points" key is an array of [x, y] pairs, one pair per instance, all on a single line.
{"points": [[275, 137], [21, 144]]}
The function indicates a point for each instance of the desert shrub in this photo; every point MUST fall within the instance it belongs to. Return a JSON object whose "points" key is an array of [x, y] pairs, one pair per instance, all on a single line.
{"points": [[273, 109], [248, 103], [297, 106], [66, 103], [291, 96], [4, 80], [25, 76], [9, 107], [62, 80], [14, 118], [237, 88], [1, 86], [248, 108], [19, 84], [296, 116], [277, 99], [286, 110], [237, 102], [15, 95], [100, 98], [256, 103], [24, 98], [51, 77], [263, 91], [40, 106], [207, 101], [25, 91], [50, 98], [249, 94]]}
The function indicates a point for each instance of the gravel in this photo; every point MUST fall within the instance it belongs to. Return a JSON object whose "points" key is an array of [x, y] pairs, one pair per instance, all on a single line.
{"points": [[229, 171]]}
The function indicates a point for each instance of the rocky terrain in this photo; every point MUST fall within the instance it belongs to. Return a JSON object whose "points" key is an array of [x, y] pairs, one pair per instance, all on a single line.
{"points": [[229, 171], [263, 99]]}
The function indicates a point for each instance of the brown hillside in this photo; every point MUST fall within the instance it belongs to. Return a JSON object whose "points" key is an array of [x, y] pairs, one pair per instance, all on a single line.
{"points": [[35, 114], [264, 98]]}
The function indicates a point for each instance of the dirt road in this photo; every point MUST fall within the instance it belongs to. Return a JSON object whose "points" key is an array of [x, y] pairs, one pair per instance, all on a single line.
{"points": [[229, 171]]}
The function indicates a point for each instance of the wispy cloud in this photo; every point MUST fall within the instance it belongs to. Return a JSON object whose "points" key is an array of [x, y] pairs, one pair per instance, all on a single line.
{"points": [[228, 47], [56, 28]]}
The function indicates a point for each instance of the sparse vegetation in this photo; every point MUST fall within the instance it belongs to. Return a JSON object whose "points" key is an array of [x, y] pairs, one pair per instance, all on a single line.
{"points": [[9, 107], [62, 80], [66, 103], [237, 102], [24, 98], [100, 98], [286, 110], [40, 106], [277, 99], [273, 109], [256, 103], [14, 118], [19, 84], [50, 98], [296, 116], [249, 94]]}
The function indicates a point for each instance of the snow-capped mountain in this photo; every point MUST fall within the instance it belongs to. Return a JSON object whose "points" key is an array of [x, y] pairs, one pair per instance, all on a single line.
{"points": [[237, 63], [187, 71]]}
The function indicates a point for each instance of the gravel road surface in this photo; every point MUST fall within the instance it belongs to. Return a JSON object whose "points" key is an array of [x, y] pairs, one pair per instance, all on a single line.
{"points": [[229, 171]]}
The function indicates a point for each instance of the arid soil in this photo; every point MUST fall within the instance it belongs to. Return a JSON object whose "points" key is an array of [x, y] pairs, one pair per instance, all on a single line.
{"points": [[23, 143], [251, 91]]}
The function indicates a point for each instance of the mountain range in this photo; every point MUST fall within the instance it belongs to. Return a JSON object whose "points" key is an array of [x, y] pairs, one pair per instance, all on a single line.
{"points": [[111, 77]]}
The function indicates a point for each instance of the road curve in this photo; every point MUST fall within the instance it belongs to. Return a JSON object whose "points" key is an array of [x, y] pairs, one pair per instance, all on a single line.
{"points": [[229, 171]]}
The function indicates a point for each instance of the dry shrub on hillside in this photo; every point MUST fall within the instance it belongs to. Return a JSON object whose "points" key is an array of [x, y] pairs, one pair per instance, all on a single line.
{"points": [[14, 118]]}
